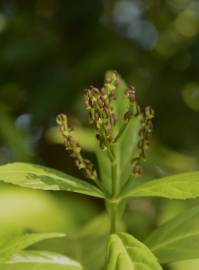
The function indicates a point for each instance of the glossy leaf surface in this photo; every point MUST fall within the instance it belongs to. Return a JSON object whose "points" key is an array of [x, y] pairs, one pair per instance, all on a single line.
{"points": [[41, 260], [126, 252], [12, 243], [179, 186], [177, 239], [40, 177]]}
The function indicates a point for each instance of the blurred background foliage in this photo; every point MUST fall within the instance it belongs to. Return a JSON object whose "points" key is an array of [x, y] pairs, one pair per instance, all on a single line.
{"points": [[50, 51]]}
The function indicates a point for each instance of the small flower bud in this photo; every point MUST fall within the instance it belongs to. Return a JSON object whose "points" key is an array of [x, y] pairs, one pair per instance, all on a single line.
{"points": [[61, 119], [94, 89], [149, 126], [144, 154], [106, 129], [107, 111], [107, 80], [87, 161], [98, 137], [62, 129], [113, 119], [87, 103], [100, 101], [110, 137], [87, 173], [132, 97], [128, 115], [77, 150], [140, 144], [149, 112], [138, 169], [77, 163], [117, 81], [137, 110], [102, 144], [97, 116]]}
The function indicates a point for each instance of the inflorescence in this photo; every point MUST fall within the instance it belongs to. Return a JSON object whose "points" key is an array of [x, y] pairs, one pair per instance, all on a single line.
{"points": [[73, 147], [144, 140], [101, 113], [100, 105]]}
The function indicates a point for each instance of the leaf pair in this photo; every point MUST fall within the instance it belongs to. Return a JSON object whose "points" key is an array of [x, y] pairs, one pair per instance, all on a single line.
{"points": [[180, 186]]}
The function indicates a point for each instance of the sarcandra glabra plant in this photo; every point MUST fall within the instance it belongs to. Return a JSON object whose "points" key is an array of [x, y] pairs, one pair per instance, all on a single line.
{"points": [[123, 133], [101, 107]]}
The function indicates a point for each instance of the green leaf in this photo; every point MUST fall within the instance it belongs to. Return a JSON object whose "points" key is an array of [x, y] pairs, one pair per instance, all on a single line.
{"points": [[41, 260], [179, 186], [104, 165], [40, 177], [126, 252], [177, 239], [128, 148], [12, 243], [184, 265]]}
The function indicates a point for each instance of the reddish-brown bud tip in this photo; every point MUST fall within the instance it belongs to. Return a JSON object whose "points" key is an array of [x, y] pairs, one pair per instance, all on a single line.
{"points": [[128, 115], [149, 112], [61, 119]]}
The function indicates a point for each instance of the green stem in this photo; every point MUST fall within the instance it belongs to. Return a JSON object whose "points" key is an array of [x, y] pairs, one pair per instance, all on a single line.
{"points": [[114, 169], [112, 203], [113, 214], [113, 161]]}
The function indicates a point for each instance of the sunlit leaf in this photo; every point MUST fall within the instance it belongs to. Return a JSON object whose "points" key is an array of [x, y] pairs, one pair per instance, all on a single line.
{"points": [[184, 265], [41, 260], [40, 177], [126, 252], [179, 186], [104, 166], [12, 243], [177, 239], [128, 147]]}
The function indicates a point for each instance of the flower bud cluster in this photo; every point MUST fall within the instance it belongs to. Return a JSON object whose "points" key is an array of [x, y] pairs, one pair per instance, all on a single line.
{"points": [[101, 113], [73, 147], [134, 108], [144, 140]]}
